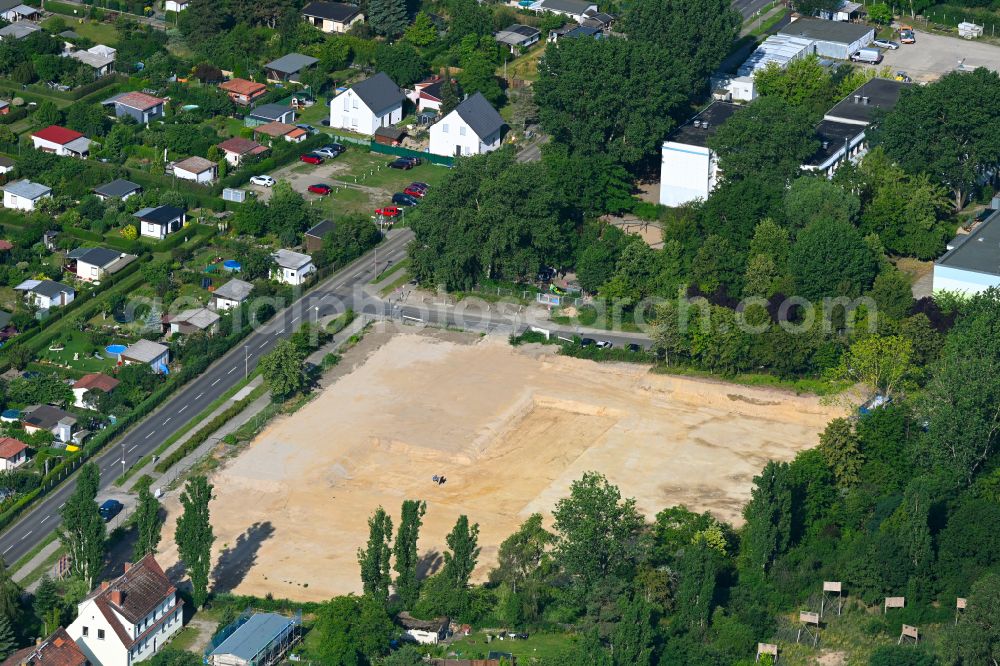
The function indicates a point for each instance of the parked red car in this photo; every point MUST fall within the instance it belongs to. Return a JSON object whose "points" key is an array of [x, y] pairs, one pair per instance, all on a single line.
{"points": [[388, 211], [320, 188], [311, 158], [415, 191]]}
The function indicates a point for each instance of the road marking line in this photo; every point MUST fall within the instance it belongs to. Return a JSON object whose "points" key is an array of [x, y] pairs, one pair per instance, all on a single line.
{"points": [[216, 382], [296, 319], [168, 420], [150, 434], [8, 548], [182, 409], [62, 505], [262, 345], [27, 535], [199, 395], [133, 448], [44, 519], [231, 370]]}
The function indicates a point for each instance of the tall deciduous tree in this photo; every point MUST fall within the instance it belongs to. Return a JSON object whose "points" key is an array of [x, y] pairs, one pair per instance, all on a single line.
{"points": [[148, 524], [522, 552], [881, 363], [768, 515], [374, 560], [82, 531], [976, 637], [10, 593], [463, 552], [831, 259], [282, 370], [353, 631], [194, 536], [633, 636], [405, 551], [840, 447]]}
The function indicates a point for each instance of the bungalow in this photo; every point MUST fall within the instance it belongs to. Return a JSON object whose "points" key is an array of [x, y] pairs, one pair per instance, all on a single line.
{"points": [[46, 294], [197, 169], [160, 222], [50, 419], [289, 67], [194, 320], [117, 189], [243, 92], [16, 10], [292, 268], [6, 165], [517, 36], [137, 105], [473, 128], [56, 650], [276, 130], [574, 9], [19, 30], [270, 113], [232, 294], [237, 148], [425, 632], [100, 58], [95, 381], [149, 353], [314, 236], [24, 194], [595, 19], [332, 16], [61, 141], [13, 453], [93, 263], [364, 107]]}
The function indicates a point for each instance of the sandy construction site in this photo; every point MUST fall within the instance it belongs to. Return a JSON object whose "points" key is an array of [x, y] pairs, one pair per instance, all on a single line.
{"points": [[510, 429]]}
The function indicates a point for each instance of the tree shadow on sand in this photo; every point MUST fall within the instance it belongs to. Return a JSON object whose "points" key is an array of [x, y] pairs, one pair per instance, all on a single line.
{"points": [[429, 564], [236, 561]]}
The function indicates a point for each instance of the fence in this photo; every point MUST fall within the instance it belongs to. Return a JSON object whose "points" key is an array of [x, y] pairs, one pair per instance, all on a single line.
{"points": [[398, 151]]}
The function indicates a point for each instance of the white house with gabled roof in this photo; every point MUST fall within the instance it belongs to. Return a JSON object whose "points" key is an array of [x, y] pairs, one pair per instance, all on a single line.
{"points": [[366, 106]]}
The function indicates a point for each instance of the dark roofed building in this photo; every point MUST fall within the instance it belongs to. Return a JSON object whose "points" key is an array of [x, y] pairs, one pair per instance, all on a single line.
{"points": [[378, 92], [697, 131], [473, 128], [831, 39], [859, 107], [289, 67], [56, 650], [518, 36], [332, 16], [270, 113], [118, 189], [160, 221], [389, 136], [314, 236], [972, 265]]}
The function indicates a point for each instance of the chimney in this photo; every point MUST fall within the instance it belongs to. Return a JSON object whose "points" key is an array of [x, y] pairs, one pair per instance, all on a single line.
{"points": [[826, 144], [865, 100], [704, 124], [128, 565], [105, 585], [116, 597]]}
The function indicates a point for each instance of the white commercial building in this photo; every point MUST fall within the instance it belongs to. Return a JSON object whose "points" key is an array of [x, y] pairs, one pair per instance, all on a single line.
{"points": [[972, 263], [689, 169]]}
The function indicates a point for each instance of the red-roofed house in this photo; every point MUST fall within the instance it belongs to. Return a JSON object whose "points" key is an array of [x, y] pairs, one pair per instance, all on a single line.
{"points": [[95, 381], [237, 148], [61, 141], [137, 105], [130, 618], [242, 91], [56, 650], [13, 453]]}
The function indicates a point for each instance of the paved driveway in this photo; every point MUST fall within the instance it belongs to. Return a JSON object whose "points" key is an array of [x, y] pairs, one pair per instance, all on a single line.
{"points": [[935, 55]]}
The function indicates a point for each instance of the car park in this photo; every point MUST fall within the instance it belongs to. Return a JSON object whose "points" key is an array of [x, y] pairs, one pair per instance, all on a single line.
{"points": [[886, 44], [110, 509], [263, 180], [311, 158], [401, 199], [387, 211], [320, 188], [401, 163]]}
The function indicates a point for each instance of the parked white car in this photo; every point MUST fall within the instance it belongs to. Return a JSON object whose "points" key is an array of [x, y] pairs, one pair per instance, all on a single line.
{"points": [[266, 181], [886, 44]]}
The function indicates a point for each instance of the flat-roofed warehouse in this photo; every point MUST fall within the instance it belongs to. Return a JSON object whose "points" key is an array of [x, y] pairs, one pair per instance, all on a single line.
{"points": [[831, 39], [262, 640], [972, 263]]}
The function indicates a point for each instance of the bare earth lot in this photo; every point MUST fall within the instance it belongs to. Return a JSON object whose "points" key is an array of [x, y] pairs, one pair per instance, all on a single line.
{"points": [[509, 428]]}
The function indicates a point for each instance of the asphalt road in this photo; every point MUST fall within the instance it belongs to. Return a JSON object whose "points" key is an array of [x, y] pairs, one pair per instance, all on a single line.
{"points": [[749, 7], [338, 292]]}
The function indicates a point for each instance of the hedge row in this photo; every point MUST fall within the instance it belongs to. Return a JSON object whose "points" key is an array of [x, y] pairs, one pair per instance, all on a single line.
{"points": [[199, 437]]}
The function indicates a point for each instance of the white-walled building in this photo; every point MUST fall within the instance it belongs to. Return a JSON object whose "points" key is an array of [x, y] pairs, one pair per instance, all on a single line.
{"points": [[153, 354], [292, 267], [972, 263], [474, 127], [232, 294], [61, 141], [24, 194], [94, 263], [13, 453], [332, 17], [130, 618], [574, 9], [689, 169], [95, 381], [197, 169], [46, 294], [364, 107], [160, 222]]}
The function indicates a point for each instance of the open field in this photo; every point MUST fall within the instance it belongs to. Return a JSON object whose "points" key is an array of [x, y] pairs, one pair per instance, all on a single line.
{"points": [[510, 428]]}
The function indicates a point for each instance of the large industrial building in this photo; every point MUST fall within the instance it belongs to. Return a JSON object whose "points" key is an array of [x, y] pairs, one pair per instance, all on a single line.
{"points": [[972, 262], [831, 39]]}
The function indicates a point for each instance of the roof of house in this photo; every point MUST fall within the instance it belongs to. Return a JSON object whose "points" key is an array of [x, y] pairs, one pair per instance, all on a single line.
{"points": [[567, 6], [379, 92], [56, 134], [779, 49], [410, 622], [133, 595], [195, 164], [27, 189], [290, 259], [200, 318], [95, 60], [98, 256], [6, 245], [242, 86], [241, 146], [826, 31], [98, 381], [709, 120], [234, 290], [118, 188], [7, 5], [47, 288], [254, 635], [480, 115], [56, 650], [274, 129], [10, 447], [4, 160], [322, 229], [980, 250], [291, 63], [833, 135], [332, 11], [433, 90], [145, 351], [46, 417], [516, 34], [392, 133], [859, 107], [583, 31], [137, 100], [160, 214], [270, 111], [19, 29]]}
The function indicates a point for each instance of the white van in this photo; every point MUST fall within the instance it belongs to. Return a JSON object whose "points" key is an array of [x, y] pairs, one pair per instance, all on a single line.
{"points": [[871, 56]]}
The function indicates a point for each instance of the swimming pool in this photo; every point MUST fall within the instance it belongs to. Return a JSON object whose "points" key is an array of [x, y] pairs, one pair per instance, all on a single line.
{"points": [[114, 350]]}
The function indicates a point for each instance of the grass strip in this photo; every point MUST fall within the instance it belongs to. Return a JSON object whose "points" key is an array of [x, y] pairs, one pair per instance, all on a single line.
{"points": [[394, 285], [390, 270]]}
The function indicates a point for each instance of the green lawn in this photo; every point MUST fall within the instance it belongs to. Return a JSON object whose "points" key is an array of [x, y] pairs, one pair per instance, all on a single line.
{"points": [[101, 33], [312, 115], [77, 345], [537, 646]]}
